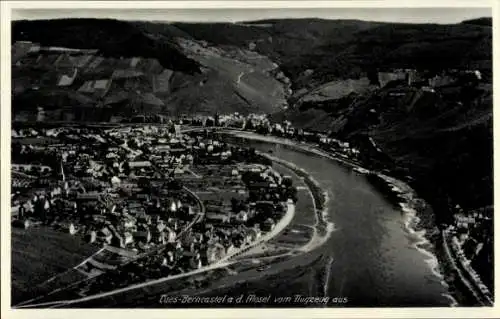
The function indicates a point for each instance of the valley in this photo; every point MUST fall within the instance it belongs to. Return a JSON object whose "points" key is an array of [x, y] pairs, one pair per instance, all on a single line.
{"points": [[411, 101]]}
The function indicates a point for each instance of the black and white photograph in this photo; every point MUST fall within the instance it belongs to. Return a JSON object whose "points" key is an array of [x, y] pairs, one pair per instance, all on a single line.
{"points": [[256, 158]]}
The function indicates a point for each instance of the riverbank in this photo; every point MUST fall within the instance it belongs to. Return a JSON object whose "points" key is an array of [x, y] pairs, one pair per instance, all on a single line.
{"points": [[418, 215], [464, 271], [278, 228], [323, 227], [143, 288]]}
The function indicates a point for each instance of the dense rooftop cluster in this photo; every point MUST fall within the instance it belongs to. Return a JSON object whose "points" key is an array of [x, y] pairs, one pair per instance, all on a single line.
{"points": [[159, 201]]}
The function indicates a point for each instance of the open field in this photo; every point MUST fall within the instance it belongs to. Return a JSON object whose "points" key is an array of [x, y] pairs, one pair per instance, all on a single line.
{"points": [[304, 207], [40, 253]]}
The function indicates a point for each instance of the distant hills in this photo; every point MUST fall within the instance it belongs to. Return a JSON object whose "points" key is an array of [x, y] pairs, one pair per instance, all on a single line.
{"points": [[443, 138], [162, 67], [333, 48], [345, 77], [415, 98], [348, 48], [480, 21]]}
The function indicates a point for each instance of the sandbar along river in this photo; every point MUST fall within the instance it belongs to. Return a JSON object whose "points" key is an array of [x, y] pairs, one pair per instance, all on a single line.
{"points": [[370, 258]]}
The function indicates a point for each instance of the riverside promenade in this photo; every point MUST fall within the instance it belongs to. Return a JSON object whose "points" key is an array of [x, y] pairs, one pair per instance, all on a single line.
{"points": [[147, 288]]}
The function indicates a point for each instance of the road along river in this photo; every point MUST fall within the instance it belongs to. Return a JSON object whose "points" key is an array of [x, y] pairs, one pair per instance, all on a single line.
{"points": [[371, 258]]}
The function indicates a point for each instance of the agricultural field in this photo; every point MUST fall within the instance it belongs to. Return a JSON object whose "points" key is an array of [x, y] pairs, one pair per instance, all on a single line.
{"points": [[41, 253]]}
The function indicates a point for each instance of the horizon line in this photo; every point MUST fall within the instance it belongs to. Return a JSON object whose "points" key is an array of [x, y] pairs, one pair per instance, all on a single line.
{"points": [[246, 21], [435, 15]]}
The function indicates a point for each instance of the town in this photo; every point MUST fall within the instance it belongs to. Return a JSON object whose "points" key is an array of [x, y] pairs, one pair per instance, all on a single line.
{"points": [[162, 201], [265, 158], [159, 202]]}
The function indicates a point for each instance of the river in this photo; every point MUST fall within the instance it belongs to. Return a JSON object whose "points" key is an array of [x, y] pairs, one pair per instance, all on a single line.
{"points": [[370, 259]]}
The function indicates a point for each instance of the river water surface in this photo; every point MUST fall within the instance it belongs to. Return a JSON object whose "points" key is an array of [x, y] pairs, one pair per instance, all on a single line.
{"points": [[370, 258]]}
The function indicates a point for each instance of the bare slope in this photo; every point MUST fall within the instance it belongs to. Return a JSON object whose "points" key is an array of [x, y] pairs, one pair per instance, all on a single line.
{"points": [[233, 79], [347, 48], [138, 68]]}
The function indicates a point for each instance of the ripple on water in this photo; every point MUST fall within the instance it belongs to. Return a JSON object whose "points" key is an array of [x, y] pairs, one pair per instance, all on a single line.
{"points": [[420, 240], [410, 223]]}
